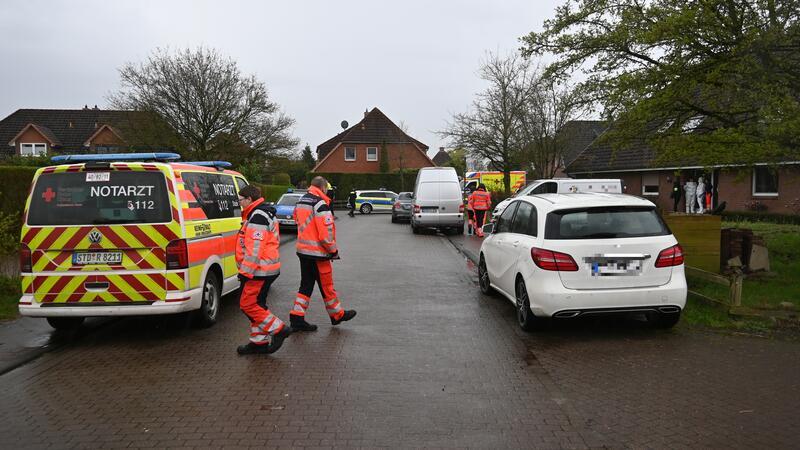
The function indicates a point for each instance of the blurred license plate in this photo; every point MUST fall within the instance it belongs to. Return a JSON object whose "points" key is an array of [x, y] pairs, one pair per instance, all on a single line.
{"points": [[84, 258], [406, 206], [632, 267]]}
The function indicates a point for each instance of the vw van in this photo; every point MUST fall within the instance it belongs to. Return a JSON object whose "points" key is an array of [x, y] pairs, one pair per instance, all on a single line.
{"points": [[129, 234]]}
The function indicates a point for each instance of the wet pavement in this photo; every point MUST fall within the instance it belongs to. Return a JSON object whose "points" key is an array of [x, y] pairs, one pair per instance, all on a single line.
{"points": [[428, 362]]}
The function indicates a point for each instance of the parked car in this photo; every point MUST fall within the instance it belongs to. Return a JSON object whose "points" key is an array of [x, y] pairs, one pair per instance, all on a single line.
{"points": [[437, 201], [563, 186], [563, 256], [284, 209], [375, 200], [401, 209]]}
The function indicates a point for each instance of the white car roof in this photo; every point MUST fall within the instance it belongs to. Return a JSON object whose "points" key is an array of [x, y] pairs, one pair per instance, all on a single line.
{"points": [[584, 200]]}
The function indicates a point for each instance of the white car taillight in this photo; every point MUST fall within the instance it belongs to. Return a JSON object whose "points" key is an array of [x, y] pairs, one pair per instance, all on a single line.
{"points": [[555, 261], [669, 257]]}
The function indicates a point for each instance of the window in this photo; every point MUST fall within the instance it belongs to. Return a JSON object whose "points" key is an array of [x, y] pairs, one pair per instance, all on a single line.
{"points": [[240, 183], [604, 222], [765, 181], [215, 193], [32, 149], [504, 222], [349, 153], [650, 184], [372, 153], [405, 196], [75, 198], [546, 188], [525, 220]]}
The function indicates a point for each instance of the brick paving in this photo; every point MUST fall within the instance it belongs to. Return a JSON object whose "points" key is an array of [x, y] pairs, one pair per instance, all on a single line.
{"points": [[428, 362]]}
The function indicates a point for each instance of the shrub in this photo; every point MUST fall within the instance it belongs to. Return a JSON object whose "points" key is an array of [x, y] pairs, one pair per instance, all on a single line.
{"points": [[755, 205], [282, 179], [271, 192], [16, 183]]}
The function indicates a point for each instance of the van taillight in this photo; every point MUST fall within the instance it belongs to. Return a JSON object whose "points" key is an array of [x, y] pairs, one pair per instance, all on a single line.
{"points": [[669, 257], [556, 261], [416, 209], [177, 254], [461, 208], [25, 264], [396, 205]]}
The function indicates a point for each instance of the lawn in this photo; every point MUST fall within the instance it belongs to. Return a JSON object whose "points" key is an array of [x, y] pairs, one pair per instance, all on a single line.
{"points": [[759, 291], [9, 297]]}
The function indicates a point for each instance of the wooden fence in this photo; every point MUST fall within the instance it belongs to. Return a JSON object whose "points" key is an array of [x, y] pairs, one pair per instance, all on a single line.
{"points": [[733, 282]]}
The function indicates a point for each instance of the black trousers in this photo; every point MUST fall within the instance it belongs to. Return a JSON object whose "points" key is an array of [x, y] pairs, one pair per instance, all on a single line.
{"points": [[480, 216]]}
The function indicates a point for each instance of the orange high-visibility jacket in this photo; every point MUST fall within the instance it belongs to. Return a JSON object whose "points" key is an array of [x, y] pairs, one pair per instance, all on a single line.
{"points": [[259, 239], [480, 201], [316, 232]]}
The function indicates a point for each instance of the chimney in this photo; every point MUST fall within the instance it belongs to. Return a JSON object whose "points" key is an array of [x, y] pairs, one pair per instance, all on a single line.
{"points": [[366, 111], [441, 149]]}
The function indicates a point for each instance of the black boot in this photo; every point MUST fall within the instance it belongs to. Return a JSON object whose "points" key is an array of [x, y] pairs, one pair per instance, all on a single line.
{"points": [[277, 339], [252, 349], [348, 314], [298, 323]]}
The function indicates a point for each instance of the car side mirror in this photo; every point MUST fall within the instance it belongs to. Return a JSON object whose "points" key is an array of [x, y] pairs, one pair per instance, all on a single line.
{"points": [[488, 228]]}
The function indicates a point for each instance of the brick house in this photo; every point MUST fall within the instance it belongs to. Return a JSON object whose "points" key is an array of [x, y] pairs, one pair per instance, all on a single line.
{"points": [[773, 187], [32, 132], [576, 136], [358, 148]]}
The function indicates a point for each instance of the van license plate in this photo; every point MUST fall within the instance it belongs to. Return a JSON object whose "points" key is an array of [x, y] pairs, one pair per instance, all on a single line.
{"points": [[85, 258]]}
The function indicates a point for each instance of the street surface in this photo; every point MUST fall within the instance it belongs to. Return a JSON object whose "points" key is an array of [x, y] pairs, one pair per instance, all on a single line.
{"points": [[428, 362]]}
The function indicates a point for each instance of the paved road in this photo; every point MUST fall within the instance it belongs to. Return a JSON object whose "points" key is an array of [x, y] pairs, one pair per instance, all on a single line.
{"points": [[427, 362]]}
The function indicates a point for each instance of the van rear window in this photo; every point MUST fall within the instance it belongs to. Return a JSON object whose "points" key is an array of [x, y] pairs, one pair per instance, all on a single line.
{"points": [[88, 198], [604, 223]]}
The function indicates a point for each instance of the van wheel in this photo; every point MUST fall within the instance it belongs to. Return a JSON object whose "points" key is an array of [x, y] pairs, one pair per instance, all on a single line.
{"points": [[414, 228], [527, 321], [366, 208], [209, 307], [483, 278], [65, 323], [394, 218]]}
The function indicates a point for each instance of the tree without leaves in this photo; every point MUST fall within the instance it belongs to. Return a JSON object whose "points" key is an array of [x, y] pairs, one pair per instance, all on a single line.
{"points": [[493, 129], [550, 106], [660, 68], [206, 99]]}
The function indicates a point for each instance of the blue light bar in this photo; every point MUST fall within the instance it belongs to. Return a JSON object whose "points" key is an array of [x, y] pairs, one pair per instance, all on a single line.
{"points": [[115, 157], [217, 164]]}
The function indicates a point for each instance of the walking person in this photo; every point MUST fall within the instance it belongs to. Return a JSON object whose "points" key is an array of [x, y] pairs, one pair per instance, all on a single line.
{"points": [[259, 265], [351, 204], [316, 247], [480, 201]]}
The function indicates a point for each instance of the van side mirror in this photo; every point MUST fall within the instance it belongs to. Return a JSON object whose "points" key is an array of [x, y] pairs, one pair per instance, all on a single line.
{"points": [[488, 228]]}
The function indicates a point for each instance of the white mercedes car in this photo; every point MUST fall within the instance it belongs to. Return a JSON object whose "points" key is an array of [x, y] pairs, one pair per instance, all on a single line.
{"points": [[570, 255]]}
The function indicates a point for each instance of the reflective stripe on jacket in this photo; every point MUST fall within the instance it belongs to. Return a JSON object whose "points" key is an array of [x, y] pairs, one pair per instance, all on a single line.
{"points": [[316, 232], [480, 200], [257, 253]]}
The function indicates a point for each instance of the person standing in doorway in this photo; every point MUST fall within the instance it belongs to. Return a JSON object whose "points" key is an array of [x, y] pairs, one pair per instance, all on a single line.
{"points": [[701, 195], [676, 194], [316, 248], [259, 265], [480, 201], [690, 191]]}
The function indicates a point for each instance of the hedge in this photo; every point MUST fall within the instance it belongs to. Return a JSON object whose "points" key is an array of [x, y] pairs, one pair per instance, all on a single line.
{"points": [[272, 192], [757, 216], [16, 184], [346, 182]]}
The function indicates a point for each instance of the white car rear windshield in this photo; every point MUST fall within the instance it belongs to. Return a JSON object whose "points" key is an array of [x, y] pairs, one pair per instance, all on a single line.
{"points": [[604, 223], [88, 198]]}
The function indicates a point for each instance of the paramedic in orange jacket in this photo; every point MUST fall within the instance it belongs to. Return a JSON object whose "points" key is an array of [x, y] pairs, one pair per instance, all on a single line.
{"points": [[316, 247], [259, 265], [480, 201]]}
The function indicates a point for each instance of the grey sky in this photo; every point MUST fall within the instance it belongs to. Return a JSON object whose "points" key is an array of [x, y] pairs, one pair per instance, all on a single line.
{"points": [[322, 61]]}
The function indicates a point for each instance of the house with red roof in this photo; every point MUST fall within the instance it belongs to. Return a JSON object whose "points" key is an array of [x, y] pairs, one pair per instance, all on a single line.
{"points": [[359, 149]]}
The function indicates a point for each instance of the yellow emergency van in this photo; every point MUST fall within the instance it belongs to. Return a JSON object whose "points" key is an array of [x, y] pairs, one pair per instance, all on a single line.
{"points": [[129, 234]]}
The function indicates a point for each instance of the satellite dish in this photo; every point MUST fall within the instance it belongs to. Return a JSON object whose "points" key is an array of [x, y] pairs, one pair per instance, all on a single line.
{"points": [[345, 124]]}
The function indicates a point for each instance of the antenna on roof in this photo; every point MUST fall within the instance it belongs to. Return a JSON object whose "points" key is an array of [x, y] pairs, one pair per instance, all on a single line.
{"points": [[344, 124]]}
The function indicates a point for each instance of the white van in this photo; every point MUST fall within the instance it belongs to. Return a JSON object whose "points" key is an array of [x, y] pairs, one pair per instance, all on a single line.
{"points": [[437, 201], [563, 186]]}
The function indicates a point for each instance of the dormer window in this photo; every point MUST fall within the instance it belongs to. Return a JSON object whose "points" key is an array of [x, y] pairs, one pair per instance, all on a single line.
{"points": [[32, 149]]}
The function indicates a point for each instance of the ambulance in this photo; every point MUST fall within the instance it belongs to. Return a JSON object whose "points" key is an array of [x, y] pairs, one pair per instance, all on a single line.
{"points": [[493, 180], [129, 234]]}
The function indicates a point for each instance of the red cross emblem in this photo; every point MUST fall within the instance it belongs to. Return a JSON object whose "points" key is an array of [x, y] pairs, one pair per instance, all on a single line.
{"points": [[48, 195]]}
